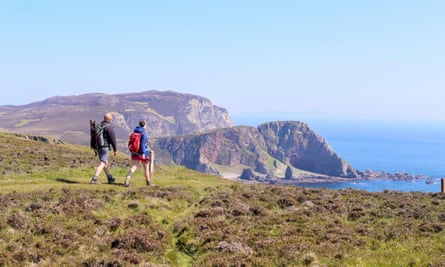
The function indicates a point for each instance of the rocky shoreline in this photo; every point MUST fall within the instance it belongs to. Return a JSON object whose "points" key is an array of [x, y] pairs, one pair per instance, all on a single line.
{"points": [[366, 175]]}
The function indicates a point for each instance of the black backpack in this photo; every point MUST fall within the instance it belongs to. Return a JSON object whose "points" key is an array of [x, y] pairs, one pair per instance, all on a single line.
{"points": [[97, 139]]}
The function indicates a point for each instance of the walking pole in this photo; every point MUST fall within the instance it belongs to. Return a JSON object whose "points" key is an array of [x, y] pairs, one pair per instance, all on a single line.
{"points": [[152, 163], [443, 185]]}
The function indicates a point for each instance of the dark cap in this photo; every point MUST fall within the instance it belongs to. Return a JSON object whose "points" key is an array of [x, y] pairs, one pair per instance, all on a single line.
{"points": [[142, 123]]}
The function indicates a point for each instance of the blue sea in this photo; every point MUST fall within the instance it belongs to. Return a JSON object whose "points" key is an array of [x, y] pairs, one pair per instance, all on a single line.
{"points": [[415, 148]]}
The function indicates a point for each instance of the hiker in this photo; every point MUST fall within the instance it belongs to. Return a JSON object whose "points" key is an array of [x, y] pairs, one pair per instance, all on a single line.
{"points": [[143, 156], [104, 151]]}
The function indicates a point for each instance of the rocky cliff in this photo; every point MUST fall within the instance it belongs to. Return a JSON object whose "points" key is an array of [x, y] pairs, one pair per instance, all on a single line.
{"points": [[267, 150], [211, 152], [186, 130], [294, 143], [166, 112]]}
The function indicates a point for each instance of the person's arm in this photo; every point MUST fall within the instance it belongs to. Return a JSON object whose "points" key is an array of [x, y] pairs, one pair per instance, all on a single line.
{"points": [[144, 143], [112, 137]]}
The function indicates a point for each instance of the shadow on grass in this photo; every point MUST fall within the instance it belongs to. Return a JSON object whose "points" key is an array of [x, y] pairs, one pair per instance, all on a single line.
{"points": [[63, 180]]}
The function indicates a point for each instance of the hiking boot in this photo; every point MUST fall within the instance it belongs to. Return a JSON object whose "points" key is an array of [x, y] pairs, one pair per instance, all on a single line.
{"points": [[94, 180], [110, 179], [150, 183]]}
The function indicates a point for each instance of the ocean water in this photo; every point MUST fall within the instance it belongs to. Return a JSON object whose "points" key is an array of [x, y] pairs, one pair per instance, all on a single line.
{"points": [[419, 149], [413, 147], [379, 185]]}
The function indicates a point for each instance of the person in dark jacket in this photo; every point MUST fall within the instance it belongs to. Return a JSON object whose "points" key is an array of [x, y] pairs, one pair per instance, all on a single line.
{"points": [[142, 157], [104, 151]]}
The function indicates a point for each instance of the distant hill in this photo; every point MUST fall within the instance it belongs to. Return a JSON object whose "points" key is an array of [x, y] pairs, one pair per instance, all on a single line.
{"points": [[167, 113], [186, 130]]}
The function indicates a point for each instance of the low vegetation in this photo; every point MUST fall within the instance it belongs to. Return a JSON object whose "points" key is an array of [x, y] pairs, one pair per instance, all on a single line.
{"points": [[51, 216]]}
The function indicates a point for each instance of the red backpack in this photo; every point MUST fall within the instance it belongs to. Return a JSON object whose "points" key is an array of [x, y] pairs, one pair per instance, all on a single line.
{"points": [[134, 143]]}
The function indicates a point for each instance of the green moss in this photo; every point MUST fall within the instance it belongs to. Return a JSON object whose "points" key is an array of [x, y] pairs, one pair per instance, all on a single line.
{"points": [[170, 119], [24, 122]]}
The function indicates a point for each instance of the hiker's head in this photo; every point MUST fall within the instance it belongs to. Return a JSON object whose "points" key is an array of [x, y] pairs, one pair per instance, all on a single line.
{"points": [[108, 117], [142, 124]]}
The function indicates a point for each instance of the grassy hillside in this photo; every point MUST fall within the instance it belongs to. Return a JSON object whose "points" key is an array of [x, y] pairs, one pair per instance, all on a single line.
{"points": [[52, 216]]}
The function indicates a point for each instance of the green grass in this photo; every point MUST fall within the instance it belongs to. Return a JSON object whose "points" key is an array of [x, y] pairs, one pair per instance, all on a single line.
{"points": [[24, 122], [51, 216], [170, 119]]}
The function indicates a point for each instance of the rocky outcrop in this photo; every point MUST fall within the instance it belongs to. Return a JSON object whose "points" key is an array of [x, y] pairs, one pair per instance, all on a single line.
{"points": [[170, 113], [294, 143], [229, 147], [67, 117], [268, 150], [186, 130]]}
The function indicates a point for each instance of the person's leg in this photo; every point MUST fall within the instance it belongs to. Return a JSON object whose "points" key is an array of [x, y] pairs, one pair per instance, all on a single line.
{"points": [[104, 158], [100, 167], [146, 165], [103, 154], [134, 166], [106, 169], [108, 173]]}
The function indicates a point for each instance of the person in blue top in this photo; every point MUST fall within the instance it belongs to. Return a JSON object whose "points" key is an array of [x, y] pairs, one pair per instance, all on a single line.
{"points": [[143, 157]]}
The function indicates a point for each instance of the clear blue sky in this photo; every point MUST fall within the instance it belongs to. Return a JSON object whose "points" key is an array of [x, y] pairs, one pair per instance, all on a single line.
{"points": [[371, 59]]}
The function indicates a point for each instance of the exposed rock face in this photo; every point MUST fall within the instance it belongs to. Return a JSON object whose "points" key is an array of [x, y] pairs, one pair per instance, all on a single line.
{"points": [[247, 174], [296, 144], [166, 112], [231, 147], [170, 113], [291, 143], [186, 130]]}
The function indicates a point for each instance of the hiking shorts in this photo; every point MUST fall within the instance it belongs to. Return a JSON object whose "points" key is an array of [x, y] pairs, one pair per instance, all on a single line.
{"points": [[141, 158], [104, 154]]}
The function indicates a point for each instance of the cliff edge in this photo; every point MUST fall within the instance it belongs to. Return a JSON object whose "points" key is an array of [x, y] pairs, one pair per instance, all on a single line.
{"points": [[268, 150]]}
